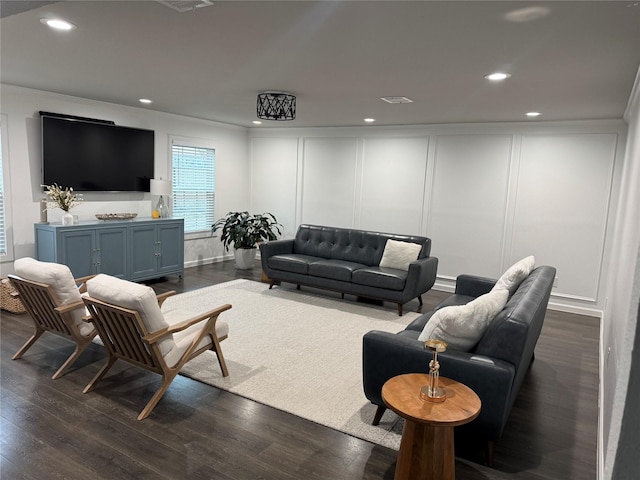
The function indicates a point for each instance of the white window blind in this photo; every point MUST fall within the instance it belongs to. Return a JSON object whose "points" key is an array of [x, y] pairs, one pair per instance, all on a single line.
{"points": [[3, 225], [193, 179]]}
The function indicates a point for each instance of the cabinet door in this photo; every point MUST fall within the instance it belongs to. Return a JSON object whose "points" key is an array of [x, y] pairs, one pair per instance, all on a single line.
{"points": [[144, 251], [78, 252], [171, 238], [112, 251]]}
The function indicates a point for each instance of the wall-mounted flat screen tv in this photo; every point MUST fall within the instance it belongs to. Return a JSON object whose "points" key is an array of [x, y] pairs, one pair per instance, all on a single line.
{"points": [[94, 156]]}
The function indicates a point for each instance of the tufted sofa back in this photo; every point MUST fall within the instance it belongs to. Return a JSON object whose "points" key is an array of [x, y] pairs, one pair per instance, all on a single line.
{"points": [[350, 245]]}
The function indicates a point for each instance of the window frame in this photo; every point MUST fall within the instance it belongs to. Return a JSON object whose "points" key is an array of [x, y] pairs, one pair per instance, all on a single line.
{"points": [[6, 190], [195, 143]]}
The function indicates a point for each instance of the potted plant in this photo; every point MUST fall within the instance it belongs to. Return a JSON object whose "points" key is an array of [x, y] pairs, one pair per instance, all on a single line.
{"points": [[62, 198], [244, 231]]}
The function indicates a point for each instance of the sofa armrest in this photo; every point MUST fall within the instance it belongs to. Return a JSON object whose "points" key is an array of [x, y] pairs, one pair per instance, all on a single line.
{"points": [[276, 247], [386, 355], [473, 286], [421, 275]]}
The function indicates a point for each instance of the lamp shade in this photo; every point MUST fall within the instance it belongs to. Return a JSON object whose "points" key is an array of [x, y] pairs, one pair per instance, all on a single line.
{"points": [[160, 187], [276, 106]]}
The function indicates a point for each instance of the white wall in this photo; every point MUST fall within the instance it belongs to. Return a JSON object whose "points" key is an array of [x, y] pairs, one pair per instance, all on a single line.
{"points": [[487, 195], [20, 108], [620, 355]]}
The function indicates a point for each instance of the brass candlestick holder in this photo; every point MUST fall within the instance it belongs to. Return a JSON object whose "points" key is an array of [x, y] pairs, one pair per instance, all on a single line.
{"points": [[432, 392]]}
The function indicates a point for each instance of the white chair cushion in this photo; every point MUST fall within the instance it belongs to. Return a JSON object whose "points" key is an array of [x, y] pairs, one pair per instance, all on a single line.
{"points": [[184, 338], [399, 255], [462, 326], [132, 296], [515, 274], [60, 279]]}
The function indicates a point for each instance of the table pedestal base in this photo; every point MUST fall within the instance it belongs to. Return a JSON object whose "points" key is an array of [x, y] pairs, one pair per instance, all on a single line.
{"points": [[426, 453]]}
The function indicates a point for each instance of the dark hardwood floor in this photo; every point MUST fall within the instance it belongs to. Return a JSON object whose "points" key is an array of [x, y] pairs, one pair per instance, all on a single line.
{"points": [[50, 429]]}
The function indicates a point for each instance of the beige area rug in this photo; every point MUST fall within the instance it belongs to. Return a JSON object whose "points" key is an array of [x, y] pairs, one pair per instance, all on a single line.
{"points": [[297, 352]]}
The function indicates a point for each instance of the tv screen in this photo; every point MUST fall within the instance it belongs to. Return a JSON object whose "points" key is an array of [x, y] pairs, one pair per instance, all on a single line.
{"points": [[91, 156]]}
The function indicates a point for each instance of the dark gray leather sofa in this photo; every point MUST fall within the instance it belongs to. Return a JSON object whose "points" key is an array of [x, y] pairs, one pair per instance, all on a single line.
{"points": [[347, 261], [494, 369]]}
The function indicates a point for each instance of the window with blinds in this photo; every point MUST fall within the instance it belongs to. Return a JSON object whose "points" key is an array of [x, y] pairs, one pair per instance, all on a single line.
{"points": [[3, 225], [193, 179]]}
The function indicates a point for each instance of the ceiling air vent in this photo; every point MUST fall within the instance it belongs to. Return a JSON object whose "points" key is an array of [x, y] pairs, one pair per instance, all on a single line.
{"points": [[396, 99], [185, 5]]}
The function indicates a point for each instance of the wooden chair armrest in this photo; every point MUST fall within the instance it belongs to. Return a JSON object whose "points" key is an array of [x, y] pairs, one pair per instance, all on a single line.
{"points": [[178, 327], [69, 307], [81, 282], [163, 296]]}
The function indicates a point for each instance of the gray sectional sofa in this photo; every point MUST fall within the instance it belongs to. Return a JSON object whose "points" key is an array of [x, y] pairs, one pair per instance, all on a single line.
{"points": [[349, 261], [494, 368]]}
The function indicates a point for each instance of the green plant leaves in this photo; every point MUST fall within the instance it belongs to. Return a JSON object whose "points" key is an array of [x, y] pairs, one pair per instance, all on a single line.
{"points": [[243, 230]]}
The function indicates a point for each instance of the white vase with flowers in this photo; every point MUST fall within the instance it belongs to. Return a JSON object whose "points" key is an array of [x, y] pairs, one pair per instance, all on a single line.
{"points": [[63, 198]]}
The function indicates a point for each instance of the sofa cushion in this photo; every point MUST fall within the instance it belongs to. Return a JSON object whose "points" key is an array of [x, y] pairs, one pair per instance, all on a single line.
{"points": [[334, 269], [387, 278], [133, 296], [61, 281], [399, 254], [515, 274], [293, 262], [462, 326]]}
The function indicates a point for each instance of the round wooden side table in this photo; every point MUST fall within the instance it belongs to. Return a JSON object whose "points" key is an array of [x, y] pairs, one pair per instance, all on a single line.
{"points": [[426, 449]]}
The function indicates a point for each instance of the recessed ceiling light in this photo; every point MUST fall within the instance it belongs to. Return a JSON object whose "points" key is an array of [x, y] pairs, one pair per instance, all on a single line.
{"points": [[396, 99], [257, 122], [369, 120], [527, 14], [58, 24], [497, 76], [533, 114], [145, 100]]}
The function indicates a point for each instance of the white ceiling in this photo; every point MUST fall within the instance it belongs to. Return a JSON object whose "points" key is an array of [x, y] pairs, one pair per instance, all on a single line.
{"points": [[577, 61]]}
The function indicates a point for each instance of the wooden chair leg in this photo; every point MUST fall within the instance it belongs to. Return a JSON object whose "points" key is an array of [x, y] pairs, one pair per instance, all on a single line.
{"points": [[166, 381], [379, 412], [80, 347], [218, 350], [100, 374], [36, 335], [489, 454]]}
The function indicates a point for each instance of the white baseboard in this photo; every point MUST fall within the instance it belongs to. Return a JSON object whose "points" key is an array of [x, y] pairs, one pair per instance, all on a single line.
{"points": [[207, 261]]}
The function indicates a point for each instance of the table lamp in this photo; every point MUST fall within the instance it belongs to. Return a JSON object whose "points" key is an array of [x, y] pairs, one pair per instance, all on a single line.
{"points": [[432, 392], [161, 188]]}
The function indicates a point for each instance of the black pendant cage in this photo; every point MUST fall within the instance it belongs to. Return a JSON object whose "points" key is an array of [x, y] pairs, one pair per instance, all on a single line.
{"points": [[276, 106]]}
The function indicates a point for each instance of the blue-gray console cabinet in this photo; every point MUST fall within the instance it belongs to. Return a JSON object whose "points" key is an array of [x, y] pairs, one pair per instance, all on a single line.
{"points": [[137, 249]]}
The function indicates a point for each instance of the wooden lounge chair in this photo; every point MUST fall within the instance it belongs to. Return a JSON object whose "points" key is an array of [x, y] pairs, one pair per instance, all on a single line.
{"points": [[52, 298], [133, 328]]}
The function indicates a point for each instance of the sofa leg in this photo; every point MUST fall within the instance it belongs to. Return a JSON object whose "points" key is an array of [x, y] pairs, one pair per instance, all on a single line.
{"points": [[298, 287], [399, 309], [420, 299], [379, 412], [489, 453], [342, 295], [271, 284]]}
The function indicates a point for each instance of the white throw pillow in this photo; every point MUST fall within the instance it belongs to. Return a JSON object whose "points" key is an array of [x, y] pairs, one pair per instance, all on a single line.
{"points": [[61, 280], [399, 255], [133, 296], [515, 274], [462, 326]]}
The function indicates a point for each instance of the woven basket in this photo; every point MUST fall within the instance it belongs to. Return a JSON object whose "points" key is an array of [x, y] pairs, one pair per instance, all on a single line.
{"points": [[7, 302]]}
